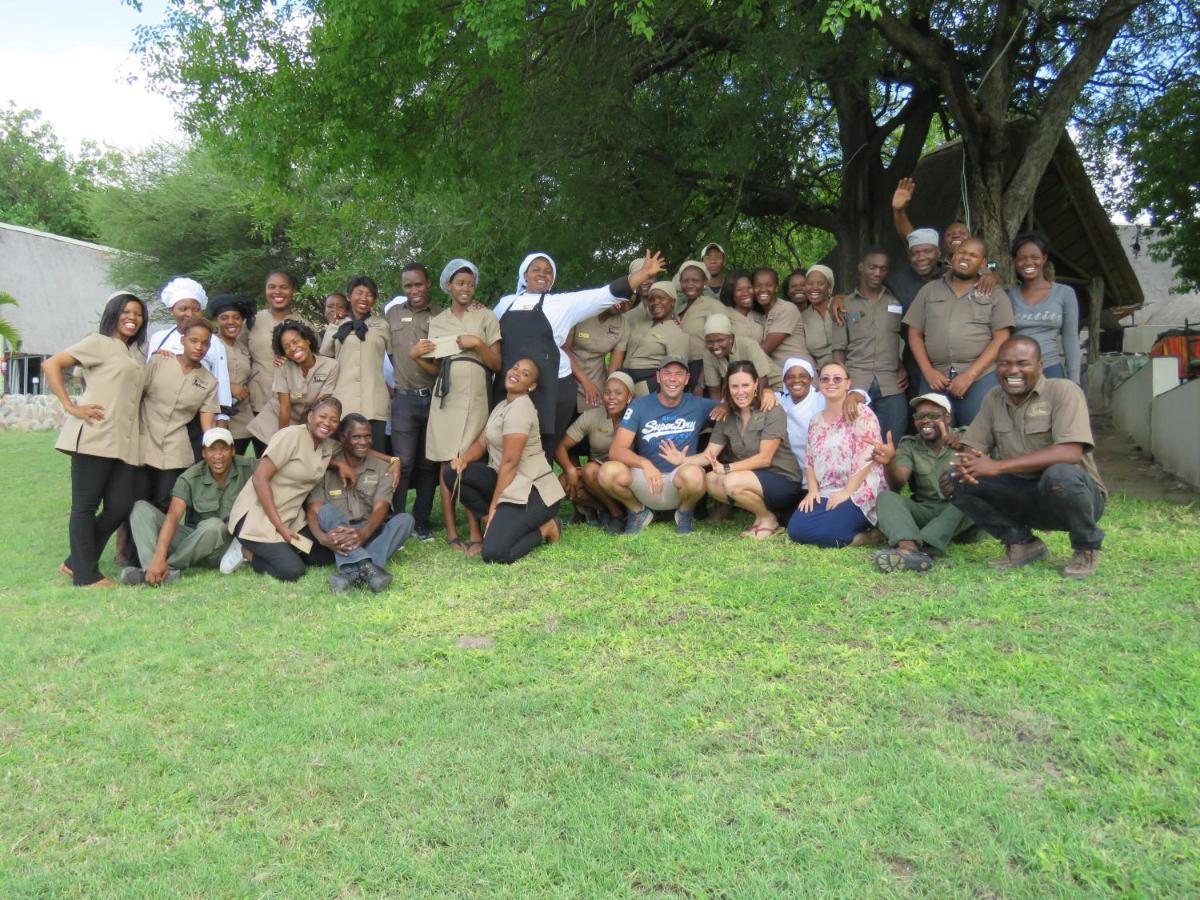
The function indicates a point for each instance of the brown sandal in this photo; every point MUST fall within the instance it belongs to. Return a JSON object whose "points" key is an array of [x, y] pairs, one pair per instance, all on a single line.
{"points": [[457, 545], [474, 548]]}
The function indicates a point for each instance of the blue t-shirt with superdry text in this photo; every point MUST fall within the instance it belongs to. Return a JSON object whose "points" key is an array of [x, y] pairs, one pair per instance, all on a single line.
{"points": [[652, 423]]}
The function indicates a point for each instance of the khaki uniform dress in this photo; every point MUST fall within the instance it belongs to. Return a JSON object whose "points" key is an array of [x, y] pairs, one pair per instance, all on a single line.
{"points": [[958, 329], [595, 427], [692, 320], [520, 417], [743, 349], [304, 391], [871, 341], [171, 399], [360, 386], [818, 335], [299, 468], [595, 338], [262, 356], [459, 414], [115, 374], [237, 358], [784, 318]]}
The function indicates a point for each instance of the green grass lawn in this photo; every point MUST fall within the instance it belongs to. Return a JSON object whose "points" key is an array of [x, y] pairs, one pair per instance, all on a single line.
{"points": [[654, 716]]}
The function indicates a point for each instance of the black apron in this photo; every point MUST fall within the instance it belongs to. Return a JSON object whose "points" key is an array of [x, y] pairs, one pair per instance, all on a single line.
{"points": [[526, 334]]}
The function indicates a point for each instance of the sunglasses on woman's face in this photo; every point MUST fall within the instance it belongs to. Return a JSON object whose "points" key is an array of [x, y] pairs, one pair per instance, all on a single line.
{"points": [[832, 379]]}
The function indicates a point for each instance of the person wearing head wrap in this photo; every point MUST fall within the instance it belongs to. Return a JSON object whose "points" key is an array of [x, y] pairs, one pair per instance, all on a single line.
{"points": [[412, 395], [463, 372], [722, 348], [185, 298], [801, 402], [595, 430], [535, 323], [233, 314], [694, 306], [649, 340]]}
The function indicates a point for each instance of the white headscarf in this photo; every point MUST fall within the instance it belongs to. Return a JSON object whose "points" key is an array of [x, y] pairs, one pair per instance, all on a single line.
{"points": [[528, 261], [802, 363], [457, 265], [183, 289]]}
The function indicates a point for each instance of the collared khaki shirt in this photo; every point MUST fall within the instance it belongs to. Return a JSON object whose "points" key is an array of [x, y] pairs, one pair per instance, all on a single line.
{"points": [[299, 467], [692, 321], [647, 343], [172, 398], [818, 335], [957, 329], [520, 417], [408, 327], [743, 349], [750, 326], [596, 428], [204, 498], [595, 338], [374, 486], [763, 426], [303, 391], [360, 385], [1054, 412], [783, 317], [262, 354], [114, 374], [237, 358], [871, 341], [913, 453]]}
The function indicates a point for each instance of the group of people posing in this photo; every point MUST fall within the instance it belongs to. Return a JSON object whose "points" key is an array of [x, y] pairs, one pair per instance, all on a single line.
{"points": [[812, 411]]}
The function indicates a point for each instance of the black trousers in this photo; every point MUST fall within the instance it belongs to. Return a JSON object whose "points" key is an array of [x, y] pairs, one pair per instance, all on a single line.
{"points": [[564, 414], [96, 480], [279, 560], [156, 485], [410, 418], [1065, 498], [514, 530]]}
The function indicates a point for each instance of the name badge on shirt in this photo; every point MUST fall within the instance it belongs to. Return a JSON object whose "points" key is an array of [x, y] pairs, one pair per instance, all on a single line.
{"points": [[584, 335], [521, 304], [336, 493], [197, 383], [407, 319], [896, 308], [319, 379], [297, 395]]}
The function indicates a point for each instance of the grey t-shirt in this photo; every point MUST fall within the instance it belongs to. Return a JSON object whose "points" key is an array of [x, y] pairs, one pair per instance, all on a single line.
{"points": [[1053, 323]]}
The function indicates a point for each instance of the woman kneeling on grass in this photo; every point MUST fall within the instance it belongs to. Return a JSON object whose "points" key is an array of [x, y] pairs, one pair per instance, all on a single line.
{"points": [[843, 480], [516, 490], [761, 474]]}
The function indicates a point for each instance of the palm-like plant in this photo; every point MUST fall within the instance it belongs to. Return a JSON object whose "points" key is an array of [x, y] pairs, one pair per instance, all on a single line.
{"points": [[7, 330]]}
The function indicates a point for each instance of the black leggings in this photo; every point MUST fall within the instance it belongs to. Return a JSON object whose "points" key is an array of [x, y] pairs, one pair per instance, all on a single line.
{"points": [[277, 559], [96, 479], [515, 530]]}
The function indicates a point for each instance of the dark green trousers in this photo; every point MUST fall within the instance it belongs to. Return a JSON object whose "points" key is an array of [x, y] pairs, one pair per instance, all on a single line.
{"points": [[933, 524]]}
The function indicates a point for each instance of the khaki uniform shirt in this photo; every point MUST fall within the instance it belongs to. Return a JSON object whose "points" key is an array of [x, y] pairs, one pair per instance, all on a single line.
{"points": [[818, 335], [596, 428], [303, 391], [914, 454], [763, 426], [750, 326], [594, 340], [407, 327], [299, 468], [520, 417], [1054, 412], [171, 400], [360, 385], [262, 355], [456, 419], [957, 329], [784, 318], [237, 358], [871, 341], [647, 343], [743, 349], [115, 373], [204, 498], [692, 321], [374, 486]]}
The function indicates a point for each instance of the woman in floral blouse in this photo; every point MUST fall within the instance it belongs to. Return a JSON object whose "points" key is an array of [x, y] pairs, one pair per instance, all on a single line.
{"points": [[843, 481]]}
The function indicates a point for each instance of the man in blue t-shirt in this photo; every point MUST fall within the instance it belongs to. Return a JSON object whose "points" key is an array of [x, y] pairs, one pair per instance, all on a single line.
{"points": [[639, 474]]}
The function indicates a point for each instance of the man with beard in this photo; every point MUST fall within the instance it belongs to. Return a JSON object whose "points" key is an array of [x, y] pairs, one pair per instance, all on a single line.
{"points": [[1043, 475], [955, 329]]}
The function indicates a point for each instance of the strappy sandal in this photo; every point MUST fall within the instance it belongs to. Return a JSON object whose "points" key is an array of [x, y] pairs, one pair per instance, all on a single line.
{"points": [[65, 570], [763, 532], [457, 545], [474, 548]]}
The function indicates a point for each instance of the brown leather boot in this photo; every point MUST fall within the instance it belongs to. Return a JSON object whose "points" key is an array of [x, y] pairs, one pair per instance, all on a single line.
{"points": [[1017, 555], [1082, 565]]}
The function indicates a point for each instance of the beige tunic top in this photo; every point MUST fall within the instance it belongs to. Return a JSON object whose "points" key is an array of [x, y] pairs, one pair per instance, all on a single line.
{"points": [[647, 343], [520, 417], [597, 429], [746, 326], [303, 390], [299, 468], [262, 356], [594, 340], [408, 327], [818, 335], [237, 358], [957, 329], [171, 400], [114, 373], [692, 321], [743, 443], [871, 341], [360, 385], [715, 367], [784, 318], [456, 418]]}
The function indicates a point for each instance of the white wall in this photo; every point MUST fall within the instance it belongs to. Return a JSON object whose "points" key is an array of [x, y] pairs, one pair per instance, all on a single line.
{"points": [[1175, 431], [1133, 399]]}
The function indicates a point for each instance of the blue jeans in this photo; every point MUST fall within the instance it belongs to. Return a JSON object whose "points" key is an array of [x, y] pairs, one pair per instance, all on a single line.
{"points": [[967, 408], [827, 527], [379, 549], [892, 412]]}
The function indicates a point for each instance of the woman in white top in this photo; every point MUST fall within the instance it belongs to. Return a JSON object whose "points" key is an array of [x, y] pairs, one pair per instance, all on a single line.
{"points": [[185, 298], [801, 402]]}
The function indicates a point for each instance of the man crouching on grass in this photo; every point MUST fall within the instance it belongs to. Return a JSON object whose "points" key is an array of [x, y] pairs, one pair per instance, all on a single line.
{"points": [[1044, 475]]}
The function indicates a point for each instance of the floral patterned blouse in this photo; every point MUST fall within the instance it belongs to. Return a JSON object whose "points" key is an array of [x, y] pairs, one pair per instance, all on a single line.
{"points": [[836, 451]]}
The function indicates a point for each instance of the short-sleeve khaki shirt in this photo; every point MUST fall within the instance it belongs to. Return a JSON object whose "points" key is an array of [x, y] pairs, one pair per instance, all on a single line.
{"points": [[237, 358], [408, 327], [784, 318], [871, 340], [374, 485], [262, 355], [743, 349], [360, 386], [302, 390], [299, 467], [596, 428], [957, 329], [692, 321], [1054, 412], [746, 326], [114, 374], [172, 398], [594, 339], [818, 334], [763, 426], [645, 346], [520, 417]]}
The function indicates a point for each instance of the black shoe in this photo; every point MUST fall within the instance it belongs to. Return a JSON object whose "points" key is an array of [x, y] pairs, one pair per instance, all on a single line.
{"points": [[422, 533], [344, 580], [374, 577]]}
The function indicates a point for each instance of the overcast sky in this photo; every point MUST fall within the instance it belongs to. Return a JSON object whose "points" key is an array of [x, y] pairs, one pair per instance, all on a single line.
{"points": [[71, 59]]}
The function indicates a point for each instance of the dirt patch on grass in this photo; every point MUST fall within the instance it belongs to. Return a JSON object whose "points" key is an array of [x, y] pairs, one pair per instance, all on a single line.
{"points": [[475, 642], [1125, 470], [900, 866]]}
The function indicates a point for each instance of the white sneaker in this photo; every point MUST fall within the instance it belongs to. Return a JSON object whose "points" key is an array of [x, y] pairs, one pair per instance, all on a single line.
{"points": [[232, 557]]}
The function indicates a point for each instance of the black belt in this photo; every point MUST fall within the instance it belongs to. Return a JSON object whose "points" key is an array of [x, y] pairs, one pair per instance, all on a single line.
{"points": [[441, 387], [415, 392]]}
